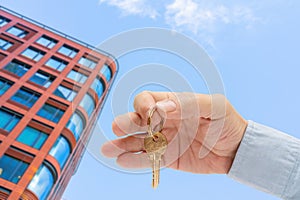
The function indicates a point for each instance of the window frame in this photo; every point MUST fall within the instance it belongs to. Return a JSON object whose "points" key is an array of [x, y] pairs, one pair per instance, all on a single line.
{"points": [[39, 54], [81, 76], [51, 42], [5, 83], [25, 67], [13, 116], [23, 33], [47, 82], [5, 44], [73, 51], [28, 102], [62, 64], [4, 21]]}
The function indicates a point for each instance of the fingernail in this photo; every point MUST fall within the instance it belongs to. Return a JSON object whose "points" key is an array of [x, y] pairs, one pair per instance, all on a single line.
{"points": [[167, 105]]}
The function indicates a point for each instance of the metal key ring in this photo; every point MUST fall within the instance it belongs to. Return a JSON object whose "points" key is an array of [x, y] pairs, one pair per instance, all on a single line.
{"points": [[149, 121]]}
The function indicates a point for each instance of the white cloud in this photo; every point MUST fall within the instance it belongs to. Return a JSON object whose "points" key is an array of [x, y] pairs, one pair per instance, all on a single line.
{"points": [[133, 7], [201, 15]]}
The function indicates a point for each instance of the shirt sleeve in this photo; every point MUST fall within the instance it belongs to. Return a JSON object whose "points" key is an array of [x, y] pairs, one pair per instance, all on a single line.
{"points": [[268, 160]]}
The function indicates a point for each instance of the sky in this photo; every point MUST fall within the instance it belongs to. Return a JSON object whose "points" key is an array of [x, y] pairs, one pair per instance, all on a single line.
{"points": [[255, 48]]}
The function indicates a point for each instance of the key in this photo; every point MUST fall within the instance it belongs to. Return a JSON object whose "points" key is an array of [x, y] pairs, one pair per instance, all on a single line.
{"points": [[155, 145]]}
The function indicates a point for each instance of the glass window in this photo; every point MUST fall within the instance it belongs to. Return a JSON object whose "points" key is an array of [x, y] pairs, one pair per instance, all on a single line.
{"points": [[17, 68], [42, 78], [25, 97], [98, 87], [4, 44], [61, 151], [76, 124], [106, 71], [65, 93], [8, 119], [33, 54], [51, 113], [88, 103], [87, 62], [68, 51], [4, 85], [11, 168], [3, 21], [32, 137], [47, 41], [56, 63], [17, 32], [42, 182], [77, 76]]}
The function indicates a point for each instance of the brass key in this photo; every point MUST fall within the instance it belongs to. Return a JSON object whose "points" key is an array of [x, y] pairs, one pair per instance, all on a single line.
{"points": [[155, 145]]}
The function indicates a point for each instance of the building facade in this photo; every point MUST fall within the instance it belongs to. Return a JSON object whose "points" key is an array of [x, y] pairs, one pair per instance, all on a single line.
{"points": [[52, 88]]}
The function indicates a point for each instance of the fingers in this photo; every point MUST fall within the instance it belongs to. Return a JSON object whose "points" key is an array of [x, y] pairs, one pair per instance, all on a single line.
{"points": [[129, 144]]}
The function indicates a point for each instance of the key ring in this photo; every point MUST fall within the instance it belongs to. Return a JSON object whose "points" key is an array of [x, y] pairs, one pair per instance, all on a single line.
{"points": [[149, 121]]}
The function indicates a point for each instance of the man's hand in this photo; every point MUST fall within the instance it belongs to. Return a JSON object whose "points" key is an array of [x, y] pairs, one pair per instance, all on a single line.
{"points": [[204, 132]]}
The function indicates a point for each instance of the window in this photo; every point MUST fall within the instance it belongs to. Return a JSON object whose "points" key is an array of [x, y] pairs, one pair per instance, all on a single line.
{"points": [[42, 78], [17, 68], [47, 41], [4, 85], [51, 113], [42, 182], [87, 62], [88, 103], [11, 168], [33, 54], [76, 124], [68, 51], [106, 71], [17, 32], [8, 119], [77, 76], [25, 97], [98, 87], [5, 45], [65, 93], [32, 137], [56, 63], [3, 21], [61, 151]]}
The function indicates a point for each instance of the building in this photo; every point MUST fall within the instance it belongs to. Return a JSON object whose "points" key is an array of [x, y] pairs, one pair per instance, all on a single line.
{"points": [[52, 88]]}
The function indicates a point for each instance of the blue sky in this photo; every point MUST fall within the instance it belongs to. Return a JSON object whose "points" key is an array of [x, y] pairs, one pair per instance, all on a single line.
{"points": [[254, 44]]}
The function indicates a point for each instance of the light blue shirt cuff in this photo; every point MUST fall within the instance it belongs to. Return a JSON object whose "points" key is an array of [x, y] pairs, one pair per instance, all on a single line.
{"points": [[268, 160]]}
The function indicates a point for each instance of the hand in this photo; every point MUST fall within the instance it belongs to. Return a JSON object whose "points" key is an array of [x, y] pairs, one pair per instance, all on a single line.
{"points": [[203, 131]]}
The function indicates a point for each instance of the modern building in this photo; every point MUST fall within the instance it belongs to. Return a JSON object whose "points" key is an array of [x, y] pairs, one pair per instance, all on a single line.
{"points": [[52, 88]]}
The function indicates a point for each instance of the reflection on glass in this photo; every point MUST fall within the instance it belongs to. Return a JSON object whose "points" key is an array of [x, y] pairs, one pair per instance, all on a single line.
{"points": [[88, 103], [76, 124], [42, 182], [61, 150], [98, 87], [8, 119], [51, 113], [12, 169], [106, 71], [65, 93], [32, 137]]}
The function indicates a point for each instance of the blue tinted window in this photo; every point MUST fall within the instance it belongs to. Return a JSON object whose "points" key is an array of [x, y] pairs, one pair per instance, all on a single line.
{"points": [[33, 53], [106, 71], [88, 103], [51, 113], [42, 78], [46, 41], [17, 68], [98, 87], [56, 63], [4, 44], [8, 119], [25, 97], [65, 93], [11, 168], [77, 76], [61, 151], [42, 182], [76, 124], [87, 62], [4, 85], [32, 137], [17, 32], [3, 21], [68, 51]]}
